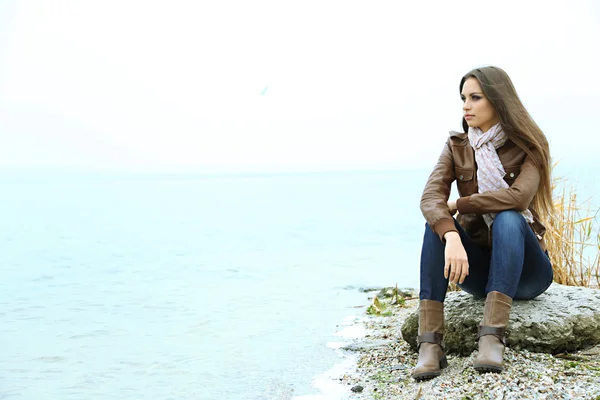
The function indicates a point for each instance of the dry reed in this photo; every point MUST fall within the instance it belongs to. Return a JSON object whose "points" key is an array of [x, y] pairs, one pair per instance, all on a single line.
{"points": [[573, 238]]}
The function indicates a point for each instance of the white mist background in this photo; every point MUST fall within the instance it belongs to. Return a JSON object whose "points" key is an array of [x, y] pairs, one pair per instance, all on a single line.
{"points": [[195, 86]]}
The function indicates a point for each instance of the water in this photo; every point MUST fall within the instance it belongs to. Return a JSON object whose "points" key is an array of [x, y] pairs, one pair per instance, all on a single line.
{"points": [[192, 287]]}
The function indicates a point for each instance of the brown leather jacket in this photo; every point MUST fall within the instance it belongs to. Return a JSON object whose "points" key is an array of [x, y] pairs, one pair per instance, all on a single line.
{"points": [[457, 162]]}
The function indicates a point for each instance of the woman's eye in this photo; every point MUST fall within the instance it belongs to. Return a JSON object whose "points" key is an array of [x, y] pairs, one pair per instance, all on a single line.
{"points": [[476, 97]]}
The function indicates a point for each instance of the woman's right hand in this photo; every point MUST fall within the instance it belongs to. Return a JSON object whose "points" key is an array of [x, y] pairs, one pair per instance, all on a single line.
{"points": [[457, 264]]}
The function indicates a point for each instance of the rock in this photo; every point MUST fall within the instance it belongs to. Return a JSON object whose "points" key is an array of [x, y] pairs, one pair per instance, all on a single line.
{"points": [[389, 292], [357, 389], [564, 318], [366, 346], [368, 290]]}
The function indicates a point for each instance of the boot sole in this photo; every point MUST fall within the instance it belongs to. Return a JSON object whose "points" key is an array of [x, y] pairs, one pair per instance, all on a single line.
{"points": [[483, 368], [432, 374]]}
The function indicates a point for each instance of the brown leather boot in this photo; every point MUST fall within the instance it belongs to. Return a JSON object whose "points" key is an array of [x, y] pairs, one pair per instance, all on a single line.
{"points": [[492, 332], [431, 332]]}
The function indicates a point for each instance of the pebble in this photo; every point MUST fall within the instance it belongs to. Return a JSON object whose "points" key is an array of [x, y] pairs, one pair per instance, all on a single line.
{"points": [[357, 389]]}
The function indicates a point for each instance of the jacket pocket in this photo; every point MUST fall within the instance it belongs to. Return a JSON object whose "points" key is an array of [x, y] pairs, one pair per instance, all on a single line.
{"points": [[464, 181], [511, 174]]}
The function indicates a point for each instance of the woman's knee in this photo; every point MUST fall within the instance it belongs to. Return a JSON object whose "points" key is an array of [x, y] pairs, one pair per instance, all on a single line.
{"points": [[508, 219], [508, 216]]}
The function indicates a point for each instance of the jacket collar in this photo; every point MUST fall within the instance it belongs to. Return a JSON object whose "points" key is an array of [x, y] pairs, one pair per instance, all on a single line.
{"points": [[459, 135], [459, 138]]}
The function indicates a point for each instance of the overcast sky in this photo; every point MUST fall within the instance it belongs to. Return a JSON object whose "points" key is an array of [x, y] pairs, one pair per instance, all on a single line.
{"points": [[280, 85]]}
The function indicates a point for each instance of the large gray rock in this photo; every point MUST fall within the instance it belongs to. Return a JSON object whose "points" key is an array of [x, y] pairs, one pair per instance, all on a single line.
{"points": [[564, 318]]}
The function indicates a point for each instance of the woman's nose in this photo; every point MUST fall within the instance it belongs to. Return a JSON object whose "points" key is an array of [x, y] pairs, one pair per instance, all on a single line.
{"points": [[466, 105]]}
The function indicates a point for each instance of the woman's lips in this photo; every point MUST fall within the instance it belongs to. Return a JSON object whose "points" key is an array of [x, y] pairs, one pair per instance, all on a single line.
{"points": [[468, 116]]}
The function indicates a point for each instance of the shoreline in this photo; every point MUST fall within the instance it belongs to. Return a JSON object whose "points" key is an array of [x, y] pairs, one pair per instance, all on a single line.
{"points": [[328, 385], [385, 362]]}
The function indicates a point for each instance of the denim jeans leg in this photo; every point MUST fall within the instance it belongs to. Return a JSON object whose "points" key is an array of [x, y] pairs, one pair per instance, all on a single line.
{"points": [[519, 268], [433, 285], [479, 266], [537, 274]]}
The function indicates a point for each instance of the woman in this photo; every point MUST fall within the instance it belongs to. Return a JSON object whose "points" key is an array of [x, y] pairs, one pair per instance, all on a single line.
{"points": [[495, 247]]}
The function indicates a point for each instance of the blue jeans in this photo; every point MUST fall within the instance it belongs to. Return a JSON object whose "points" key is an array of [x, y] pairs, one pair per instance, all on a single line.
{"points": [[516, 265]]}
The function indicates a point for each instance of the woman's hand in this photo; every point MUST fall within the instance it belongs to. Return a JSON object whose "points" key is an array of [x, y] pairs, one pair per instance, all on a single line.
{"points": [[452, 206], [457, 264]]}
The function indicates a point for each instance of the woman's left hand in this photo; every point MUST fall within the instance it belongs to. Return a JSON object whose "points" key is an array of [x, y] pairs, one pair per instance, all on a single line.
{"points": [[452, 206]]}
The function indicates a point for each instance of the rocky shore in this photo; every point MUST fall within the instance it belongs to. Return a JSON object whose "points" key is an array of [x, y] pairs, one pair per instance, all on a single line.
{"points": [[386, 361]]}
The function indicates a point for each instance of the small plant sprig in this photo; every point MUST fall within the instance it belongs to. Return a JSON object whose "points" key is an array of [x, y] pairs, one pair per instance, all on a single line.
{"points": [[381, 307]]}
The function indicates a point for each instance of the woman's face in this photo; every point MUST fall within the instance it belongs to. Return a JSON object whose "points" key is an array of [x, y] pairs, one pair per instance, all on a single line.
{"points": [[477, 109]]}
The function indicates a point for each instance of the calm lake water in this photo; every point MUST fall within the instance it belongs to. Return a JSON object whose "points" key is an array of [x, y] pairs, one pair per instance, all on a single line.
{"points": [[193, 287]]}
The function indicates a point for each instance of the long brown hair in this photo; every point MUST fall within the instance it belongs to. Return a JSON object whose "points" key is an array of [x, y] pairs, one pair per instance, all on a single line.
{"points": [[519, 128]]}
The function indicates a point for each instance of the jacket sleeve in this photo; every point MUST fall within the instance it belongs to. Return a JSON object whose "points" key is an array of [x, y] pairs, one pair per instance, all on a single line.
{"points": [[517, 197], [434, 200]]}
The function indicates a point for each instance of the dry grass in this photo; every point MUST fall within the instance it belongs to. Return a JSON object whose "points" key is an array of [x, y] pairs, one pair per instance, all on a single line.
{"points": [[573, 238]]}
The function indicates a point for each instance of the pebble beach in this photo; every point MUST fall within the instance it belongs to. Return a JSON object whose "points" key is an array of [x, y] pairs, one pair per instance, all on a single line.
{"points": [[386, 361]]}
